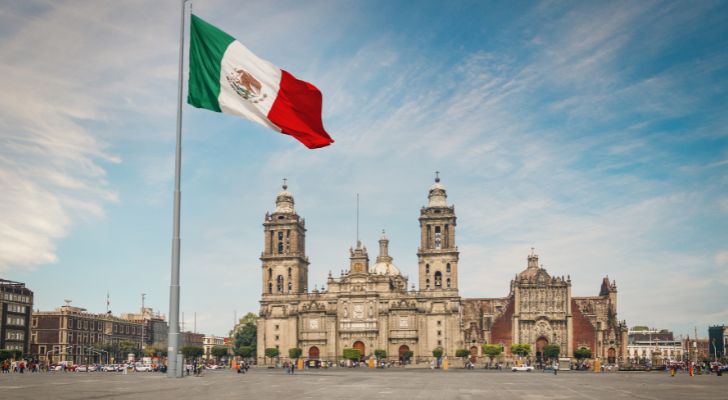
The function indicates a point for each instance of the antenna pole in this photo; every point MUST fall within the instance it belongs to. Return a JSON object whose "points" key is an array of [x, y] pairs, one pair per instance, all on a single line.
{"points": [[357, 219]]}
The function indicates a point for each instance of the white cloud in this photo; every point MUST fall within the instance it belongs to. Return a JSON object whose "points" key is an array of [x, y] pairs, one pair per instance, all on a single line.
{"points": [[721, 258]]}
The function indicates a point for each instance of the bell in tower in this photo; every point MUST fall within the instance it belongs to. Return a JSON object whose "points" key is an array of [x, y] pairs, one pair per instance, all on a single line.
{"points": [[438, 255], [284, 261]]}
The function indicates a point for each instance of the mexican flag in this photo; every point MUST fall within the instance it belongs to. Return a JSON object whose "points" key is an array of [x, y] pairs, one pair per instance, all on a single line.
{"points": [[227, 77]]}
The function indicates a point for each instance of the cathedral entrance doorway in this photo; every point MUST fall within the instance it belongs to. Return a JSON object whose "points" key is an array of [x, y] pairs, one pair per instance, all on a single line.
{"points": [[313, 353], [474, 354], [540, 344], [612, 356], [402, 350], [362, 349]]}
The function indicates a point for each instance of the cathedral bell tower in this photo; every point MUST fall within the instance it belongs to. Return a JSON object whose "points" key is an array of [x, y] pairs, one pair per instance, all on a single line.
{"points": [[285, 265], [438, 256]]}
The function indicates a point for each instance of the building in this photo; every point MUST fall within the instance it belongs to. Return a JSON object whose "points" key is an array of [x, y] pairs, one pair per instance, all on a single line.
{"points": [[696, 349], [211, 341], [371, 307], [70, 334], [652, 346], [191, 339], [155, 329], [16, 305], [718, 337]]}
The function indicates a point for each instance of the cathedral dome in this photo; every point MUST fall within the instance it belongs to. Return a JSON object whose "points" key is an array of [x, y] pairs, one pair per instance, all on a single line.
{"points": [[437, 196], [385, 268], [384, 265], [284, 201]]}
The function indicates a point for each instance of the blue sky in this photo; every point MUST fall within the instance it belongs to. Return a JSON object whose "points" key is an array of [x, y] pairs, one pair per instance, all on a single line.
{"points": [[594, 132]]}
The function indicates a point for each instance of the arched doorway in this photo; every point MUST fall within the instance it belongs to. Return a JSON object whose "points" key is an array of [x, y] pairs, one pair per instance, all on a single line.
{"points": [[474, 354], [313, 353], [362, 349], [540, 344], [403, 349], [612, 356]]}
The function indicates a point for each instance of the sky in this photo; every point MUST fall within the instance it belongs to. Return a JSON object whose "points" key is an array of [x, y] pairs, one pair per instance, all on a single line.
{"points": [[594, 132]]}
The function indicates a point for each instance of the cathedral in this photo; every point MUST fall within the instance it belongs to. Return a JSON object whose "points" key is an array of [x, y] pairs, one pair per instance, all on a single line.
{"points": [[370, 306]]}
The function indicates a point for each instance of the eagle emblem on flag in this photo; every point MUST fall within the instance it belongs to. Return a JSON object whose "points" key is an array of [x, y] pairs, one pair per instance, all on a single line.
{"points": [[246, 86]]}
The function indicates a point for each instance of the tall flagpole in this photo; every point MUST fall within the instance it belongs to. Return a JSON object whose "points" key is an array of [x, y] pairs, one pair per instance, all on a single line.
{"points": [[174, 363]]}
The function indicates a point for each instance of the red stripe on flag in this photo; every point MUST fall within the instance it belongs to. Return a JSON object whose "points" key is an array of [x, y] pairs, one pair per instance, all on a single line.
{"points": [[297, 111]]}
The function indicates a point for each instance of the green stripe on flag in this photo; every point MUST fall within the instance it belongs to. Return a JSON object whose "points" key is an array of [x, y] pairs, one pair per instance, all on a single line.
{"points": [[207, 46]]}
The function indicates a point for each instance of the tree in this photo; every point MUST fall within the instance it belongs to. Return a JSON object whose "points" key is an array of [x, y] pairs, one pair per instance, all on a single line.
{"points": [[462, 353], [245, 333], [219, 352], [126, 347], [437, 352], [521, 349], [551, 351], [295, 353], [492, 351], [351, 354], [192, 352], [272, 352], [582, 353], [244, 351], [10, 354], [407, 355], [380, 354]]}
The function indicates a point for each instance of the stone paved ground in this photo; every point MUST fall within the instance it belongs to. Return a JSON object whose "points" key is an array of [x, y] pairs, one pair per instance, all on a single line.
{"points": [[364, 384]]}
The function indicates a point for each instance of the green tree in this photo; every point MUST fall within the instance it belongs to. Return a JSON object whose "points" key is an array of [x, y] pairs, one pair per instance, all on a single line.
{"points": [[219, 352], [295, 353], [244, 351], [407, 355], [9, 354], [551, 351], [521, 349], [582, 353], [437, 352], [245, 333], [192, 352], [380, 354], [126, 347], [352, 354], [492, 351], [463, 353], [272, 353]]}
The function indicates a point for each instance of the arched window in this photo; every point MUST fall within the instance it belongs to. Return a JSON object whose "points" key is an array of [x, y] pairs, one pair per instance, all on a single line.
{"points": [[448, 282], [448, 268], [427, 283], [270, 273], [438, 279], [270, 288], [427, 268], [279, 284], [280, 248], [289, 271], [290, 286]]}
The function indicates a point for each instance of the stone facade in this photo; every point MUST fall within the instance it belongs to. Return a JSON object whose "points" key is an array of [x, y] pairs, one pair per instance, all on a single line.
{"points": [[369, 307]]}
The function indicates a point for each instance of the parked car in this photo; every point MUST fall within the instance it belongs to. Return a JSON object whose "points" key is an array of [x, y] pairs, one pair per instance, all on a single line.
{"points": [[526, 368], [111, 368], [143, 368]]}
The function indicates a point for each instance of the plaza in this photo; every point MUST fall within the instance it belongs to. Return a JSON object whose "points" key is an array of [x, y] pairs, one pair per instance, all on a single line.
{"points": [[344, 383]]}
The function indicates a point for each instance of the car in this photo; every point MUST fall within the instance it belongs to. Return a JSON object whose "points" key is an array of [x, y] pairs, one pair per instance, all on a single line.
{"points": [[212, 366], [111, 368], [526, 368], [143, 368]]}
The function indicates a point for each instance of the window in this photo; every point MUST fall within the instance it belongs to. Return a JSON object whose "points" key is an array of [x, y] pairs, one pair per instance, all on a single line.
{"points": [[279, 284], [277, 326], [448, 282], [35, 322], [439, 323], [447, 269], [277, 337], [270, 273], [438, 238], [290, 286], [270, 288], [290, 271], [427, 283], [439, 342], [280, 247], [427, 268], [439, 333], [438, 279]]}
